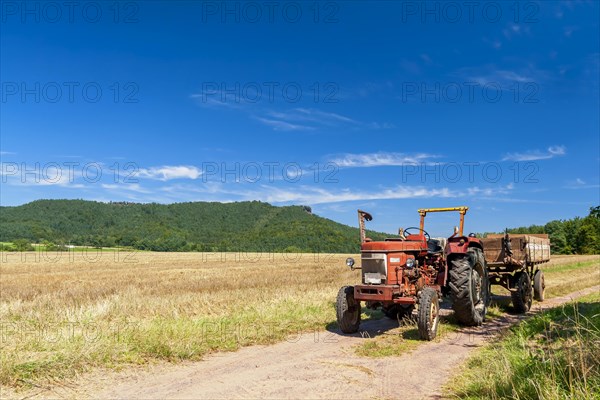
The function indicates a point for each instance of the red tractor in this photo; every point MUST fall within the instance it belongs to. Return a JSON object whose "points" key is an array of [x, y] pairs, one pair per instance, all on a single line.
{"points": [[414, 269]]}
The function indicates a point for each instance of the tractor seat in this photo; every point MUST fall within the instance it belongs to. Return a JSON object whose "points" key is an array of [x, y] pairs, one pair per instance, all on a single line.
{"points": [[434, 246]]}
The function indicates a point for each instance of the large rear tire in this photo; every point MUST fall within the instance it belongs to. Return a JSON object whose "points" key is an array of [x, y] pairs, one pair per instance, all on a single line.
{"points": [[347, 310], [539, 285], [469, 287], [522, 293], [428, 317]]}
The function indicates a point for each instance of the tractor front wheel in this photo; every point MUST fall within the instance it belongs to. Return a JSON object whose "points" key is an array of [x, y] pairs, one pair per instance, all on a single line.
{"points": [[539, 285], [347, 310], [521, 294], [428, 317]]}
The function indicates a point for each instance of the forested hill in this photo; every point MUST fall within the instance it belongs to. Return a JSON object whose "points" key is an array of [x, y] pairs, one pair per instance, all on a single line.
{"points": [[198, 226]]}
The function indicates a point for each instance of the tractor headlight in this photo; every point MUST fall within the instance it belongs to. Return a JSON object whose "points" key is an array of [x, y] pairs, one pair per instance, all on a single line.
{"points": [[350, 262], [410, 262]]}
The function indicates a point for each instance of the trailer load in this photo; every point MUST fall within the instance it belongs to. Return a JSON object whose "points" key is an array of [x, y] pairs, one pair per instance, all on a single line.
{"points": [[513, 263]]}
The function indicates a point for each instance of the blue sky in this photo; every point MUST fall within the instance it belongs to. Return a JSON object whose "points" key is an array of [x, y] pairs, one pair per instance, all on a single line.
{"points": [[384, 106]]}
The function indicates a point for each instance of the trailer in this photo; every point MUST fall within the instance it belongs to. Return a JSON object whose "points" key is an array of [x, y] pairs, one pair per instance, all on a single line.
{"points": [[513, 262]]}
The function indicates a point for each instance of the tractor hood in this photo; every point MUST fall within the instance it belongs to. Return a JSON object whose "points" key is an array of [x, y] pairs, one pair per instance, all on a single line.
{"points": [[395, 246]]}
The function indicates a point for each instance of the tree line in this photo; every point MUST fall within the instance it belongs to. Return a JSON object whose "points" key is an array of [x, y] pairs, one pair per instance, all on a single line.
{"points": [[570, 236], [216, 227]]}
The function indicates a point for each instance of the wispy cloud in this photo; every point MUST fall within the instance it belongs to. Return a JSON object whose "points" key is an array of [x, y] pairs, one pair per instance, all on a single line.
{"points": [[304, 119], [311, 195], [294, 119], [125, 187], [279, 125], [380, 159], [505, 77], [307, 119], [298, 194], [580, 184], [312, 115], [534, 155], [169, 172], [207, 101], [513, 30], [7, 153]]}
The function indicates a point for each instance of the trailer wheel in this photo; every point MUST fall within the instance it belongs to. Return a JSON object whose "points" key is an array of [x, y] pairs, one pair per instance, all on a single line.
{"points": [[469, 287], [539, 285], [347, 310], [521, 294], [398, 312], [428, 317]]}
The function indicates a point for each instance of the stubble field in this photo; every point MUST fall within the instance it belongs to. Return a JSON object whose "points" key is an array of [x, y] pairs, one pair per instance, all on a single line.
{"points": [[62, 314]]}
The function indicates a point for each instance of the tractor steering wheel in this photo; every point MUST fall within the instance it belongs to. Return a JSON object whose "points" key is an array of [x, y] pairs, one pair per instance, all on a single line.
{"points": [[420, 230]]}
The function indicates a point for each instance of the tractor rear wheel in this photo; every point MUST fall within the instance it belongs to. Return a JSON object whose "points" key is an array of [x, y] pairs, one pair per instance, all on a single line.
{"points": [[469, 287], [398, 312], [521, 294], [347, 310], [539, 285], [428, 317]]}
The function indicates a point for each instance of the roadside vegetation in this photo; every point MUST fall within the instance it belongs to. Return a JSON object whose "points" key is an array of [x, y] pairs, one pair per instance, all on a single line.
{"points": [[553, 355]]}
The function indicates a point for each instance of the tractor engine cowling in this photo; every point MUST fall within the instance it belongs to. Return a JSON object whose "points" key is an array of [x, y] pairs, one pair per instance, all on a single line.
{"points": [[385, 268]]}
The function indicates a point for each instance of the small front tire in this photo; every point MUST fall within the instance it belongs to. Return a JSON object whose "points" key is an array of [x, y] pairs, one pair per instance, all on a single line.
{"points": [[428, 317], [347, 310]]}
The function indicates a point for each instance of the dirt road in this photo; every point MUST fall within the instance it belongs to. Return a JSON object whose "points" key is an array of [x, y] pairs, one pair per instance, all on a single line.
{"points": [[319, 365]]}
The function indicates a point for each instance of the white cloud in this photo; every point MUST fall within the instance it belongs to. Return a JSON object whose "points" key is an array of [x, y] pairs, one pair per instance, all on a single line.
{"points": [[125, 187], [311, 195], [533, 155], [298, 119], [301, 194], [580, 184], [169, 172], [283, 125], [506, 78], [380, 159], [222, 102], [303, 119]]}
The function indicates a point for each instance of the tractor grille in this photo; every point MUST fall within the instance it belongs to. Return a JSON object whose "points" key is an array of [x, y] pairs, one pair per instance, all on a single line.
{"points": [[374, 268]]}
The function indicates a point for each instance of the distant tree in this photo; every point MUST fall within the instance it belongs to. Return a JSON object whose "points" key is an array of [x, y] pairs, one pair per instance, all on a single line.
{"points": [[292, 249], [558, 238], [22, 245]]}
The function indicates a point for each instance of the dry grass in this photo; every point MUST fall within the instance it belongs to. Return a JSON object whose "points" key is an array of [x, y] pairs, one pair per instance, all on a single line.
{"points": [[103, 309], [65, 313], [566, 274]]}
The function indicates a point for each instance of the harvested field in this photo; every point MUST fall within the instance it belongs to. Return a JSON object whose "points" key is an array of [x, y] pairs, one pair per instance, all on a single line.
{"points": [[67, 313]]}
